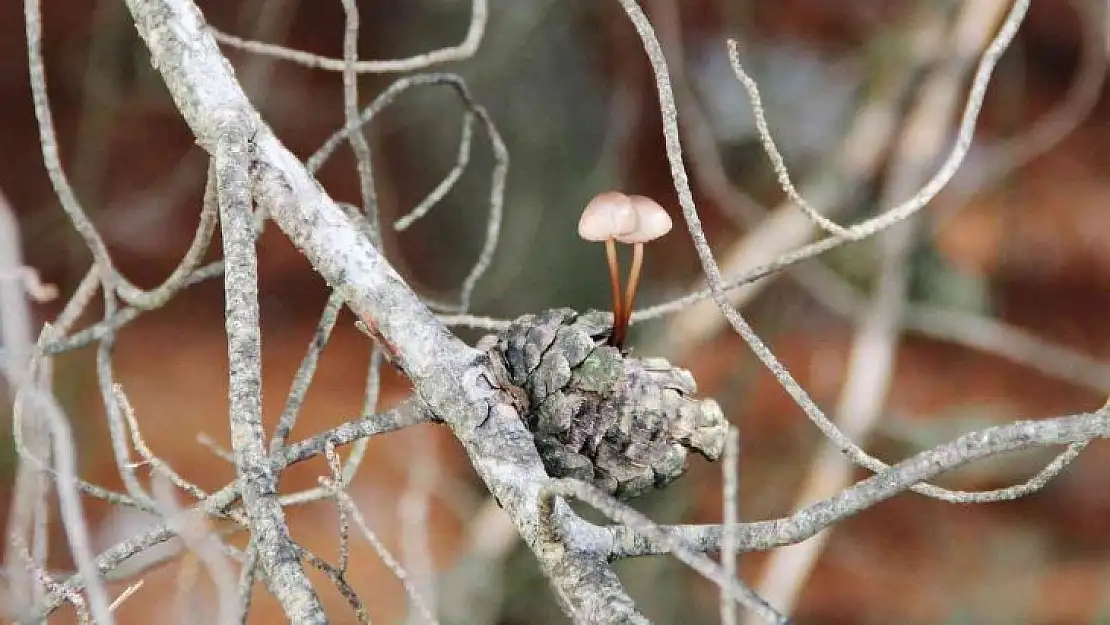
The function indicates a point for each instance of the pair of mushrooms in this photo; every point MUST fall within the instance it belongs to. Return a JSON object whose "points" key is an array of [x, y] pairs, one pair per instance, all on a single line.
{"points": [[613, 217]]}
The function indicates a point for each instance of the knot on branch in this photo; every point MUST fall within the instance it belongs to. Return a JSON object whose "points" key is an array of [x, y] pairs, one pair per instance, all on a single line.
{"points": [[624, 424]]}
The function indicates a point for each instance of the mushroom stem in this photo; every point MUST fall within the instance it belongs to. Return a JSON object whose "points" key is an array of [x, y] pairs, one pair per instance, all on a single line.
{"points": [[629, 294], [615, 284]]}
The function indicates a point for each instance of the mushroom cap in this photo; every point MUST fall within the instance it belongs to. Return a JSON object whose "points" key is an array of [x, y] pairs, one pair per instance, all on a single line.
{"points": [[652, 221], [608, 216]]}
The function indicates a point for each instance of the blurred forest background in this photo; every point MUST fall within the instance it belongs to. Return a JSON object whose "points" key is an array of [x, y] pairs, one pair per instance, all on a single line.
{"points": [[570, 90]]}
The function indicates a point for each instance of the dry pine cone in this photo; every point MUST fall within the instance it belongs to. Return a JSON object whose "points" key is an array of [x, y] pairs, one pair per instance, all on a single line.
{"points": [[623, 424]]}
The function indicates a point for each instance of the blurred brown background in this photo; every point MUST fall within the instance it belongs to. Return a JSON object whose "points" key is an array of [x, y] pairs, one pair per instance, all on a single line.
{"points": [[568, 86]]}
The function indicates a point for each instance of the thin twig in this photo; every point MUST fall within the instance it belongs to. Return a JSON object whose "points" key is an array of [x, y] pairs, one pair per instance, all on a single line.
{"points": [[479, 15], [462, 159], [111, 323], [412, 512], [339, 578], [29, 486], [834, 186], [359, 145], [117, 428], [68, 198], [729, 500], [871, 362], [194, 533], [626, 542], [369, 407], [245, 585], [70, 509], [620, 513], [217, 449], [860, 231], [157, 465], [125, 595], [344, 518], [44, 580], [298, 388], [1007, 156], [343, 499], [498, 174]]}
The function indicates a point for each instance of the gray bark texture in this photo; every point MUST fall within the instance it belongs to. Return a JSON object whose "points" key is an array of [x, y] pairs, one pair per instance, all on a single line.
{"points": [[269, 530], [543, 398], [452, 379]]}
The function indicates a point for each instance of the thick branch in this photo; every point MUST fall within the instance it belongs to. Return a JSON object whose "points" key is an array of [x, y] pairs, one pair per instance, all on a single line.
{"points": [[447, 374], [269, 530]]}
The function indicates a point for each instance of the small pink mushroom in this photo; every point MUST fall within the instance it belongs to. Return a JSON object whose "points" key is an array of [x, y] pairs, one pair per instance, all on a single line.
{"points": [[652, 222], [608, 216]]}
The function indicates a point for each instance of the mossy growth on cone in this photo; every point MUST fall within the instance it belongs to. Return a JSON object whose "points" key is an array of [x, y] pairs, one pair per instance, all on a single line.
{"points": [[624, 424]]}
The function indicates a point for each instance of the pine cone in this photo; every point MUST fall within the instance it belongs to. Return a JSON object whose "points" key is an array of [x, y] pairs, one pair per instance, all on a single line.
{"points": [[624, 424]]}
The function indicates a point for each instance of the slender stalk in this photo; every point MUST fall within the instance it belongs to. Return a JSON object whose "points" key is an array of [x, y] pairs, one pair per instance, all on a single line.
{"points": [[621, 331], [615, 283]]}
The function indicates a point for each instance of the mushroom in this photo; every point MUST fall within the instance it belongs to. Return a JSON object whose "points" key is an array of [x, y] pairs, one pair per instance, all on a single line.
{"points": [[608, 216], [652, 222]]}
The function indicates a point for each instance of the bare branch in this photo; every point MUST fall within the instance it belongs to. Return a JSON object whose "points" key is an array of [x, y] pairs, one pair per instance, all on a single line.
{"points": [[120, 318], [772, 151], [763, 535], [125, 595], [630, 518], [194, 532], [1007, 341], [256, 475], [712, 271], [65, 474], [454, 384], [408, 413], [462, 158], [730, 487], [964, 133], [1005, 157], [117, 428], [29, 485], [245, 585], [44, 580], [298, 388], [369, 405], [497, 176], [219, 502], [447, 374], [157, 465], [348, 505], [478, 17], [359, 145], [72, 206], [858, 232], [878, 334]]}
